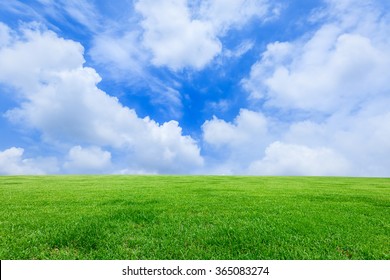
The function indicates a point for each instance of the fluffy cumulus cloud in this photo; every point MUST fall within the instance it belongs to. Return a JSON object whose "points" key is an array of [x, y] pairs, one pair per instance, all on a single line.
{"points": [[247, 146], [12, 162], [288, 159], [329, 72], [344, 63], [176, 34], [91, 159], [174, 38], [170, 35], [180, 35], [59, 98], [336, 79], [239, 142], [223, 16], [360, 139]]}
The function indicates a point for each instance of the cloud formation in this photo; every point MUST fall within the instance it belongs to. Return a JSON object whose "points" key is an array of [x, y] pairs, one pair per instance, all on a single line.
{"points": [[175, 39], [180, 36], [12, 162], [59, 97], [87, 160], [314, 100], [289, 159], [334, 81], [344, 63], [239, 142]]}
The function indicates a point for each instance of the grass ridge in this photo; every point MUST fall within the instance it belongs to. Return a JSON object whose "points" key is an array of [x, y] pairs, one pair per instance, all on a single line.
{"points": [[194, 217]]}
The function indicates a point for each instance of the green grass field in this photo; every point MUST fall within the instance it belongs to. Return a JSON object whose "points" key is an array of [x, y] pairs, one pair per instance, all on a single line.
{"points": [[194, 217]]}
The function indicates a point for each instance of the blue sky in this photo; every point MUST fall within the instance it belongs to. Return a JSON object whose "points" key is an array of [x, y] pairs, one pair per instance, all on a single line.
{"points": [[195, 87]]}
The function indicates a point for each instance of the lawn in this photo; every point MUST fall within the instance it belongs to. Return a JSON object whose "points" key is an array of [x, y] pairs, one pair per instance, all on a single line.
{"points": [[194, 217]]}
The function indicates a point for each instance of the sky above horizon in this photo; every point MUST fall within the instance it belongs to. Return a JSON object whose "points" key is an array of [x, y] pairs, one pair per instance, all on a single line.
{"points": [[249, 87]]}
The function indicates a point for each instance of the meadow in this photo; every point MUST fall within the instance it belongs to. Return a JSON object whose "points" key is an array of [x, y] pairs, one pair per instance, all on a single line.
{"points": [[194, 217]]}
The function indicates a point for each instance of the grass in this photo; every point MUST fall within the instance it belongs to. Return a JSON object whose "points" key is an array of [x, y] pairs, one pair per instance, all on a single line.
{"points": [[194, 217]]}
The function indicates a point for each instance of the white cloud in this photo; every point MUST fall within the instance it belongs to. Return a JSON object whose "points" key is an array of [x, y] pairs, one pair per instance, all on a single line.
{"points": [[362, 139], [60, 98], [169, 101], [163, 148], [5, 36], [335, 83], [340, 78], [175, 34], [51, 55], [219, 106], [240, 50], [124, 59], [276, 54], [343, 144], [247, 126], [86, 160], [341, 65], [223, 16], [288, 159], [175, 39], [120, 53], [239, 142], [20, 8], [83, 12], [13, 163], [248, 146], [180, 35]]}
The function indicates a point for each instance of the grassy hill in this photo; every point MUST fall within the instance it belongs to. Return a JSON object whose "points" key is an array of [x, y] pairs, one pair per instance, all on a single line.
{"points": [[194, 217]]}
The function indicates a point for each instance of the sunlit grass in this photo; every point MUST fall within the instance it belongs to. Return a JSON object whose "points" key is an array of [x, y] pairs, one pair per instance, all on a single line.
{"points": [[194, 217]]}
